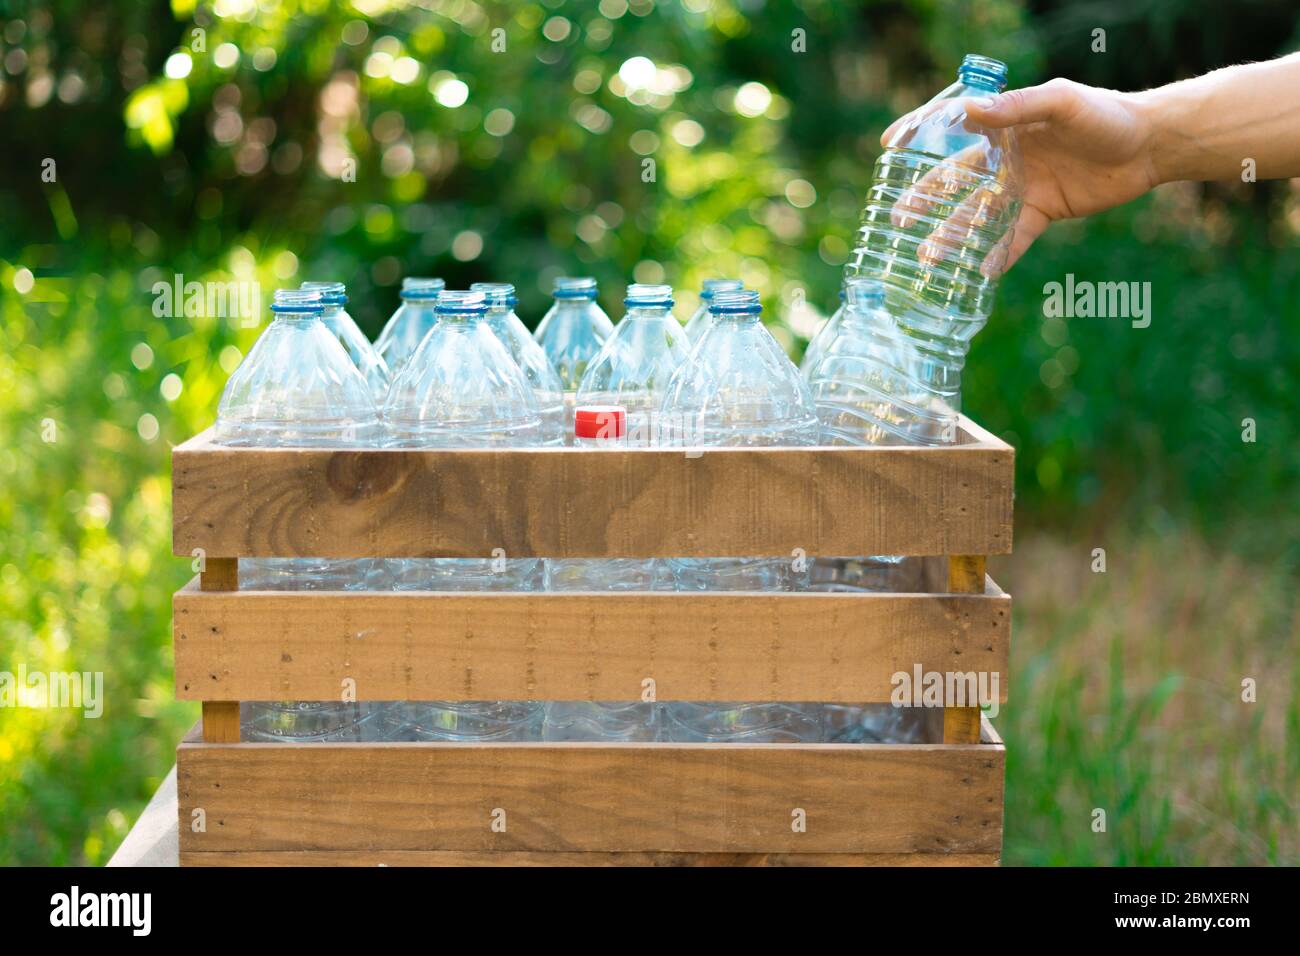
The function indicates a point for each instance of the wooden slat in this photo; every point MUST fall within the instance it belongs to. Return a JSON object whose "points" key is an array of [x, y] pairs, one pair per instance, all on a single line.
{"points": [[526, 858], [966, 574], [220, 574], [682, 798], [262, 645], [573, 502], [221, 721]]}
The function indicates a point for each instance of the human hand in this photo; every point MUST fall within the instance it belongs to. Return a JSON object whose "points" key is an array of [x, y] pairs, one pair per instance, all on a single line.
{"points": [[1084, 150]]}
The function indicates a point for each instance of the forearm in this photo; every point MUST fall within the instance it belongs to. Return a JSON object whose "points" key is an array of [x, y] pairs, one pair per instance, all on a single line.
{"points": [[1207, 127]]}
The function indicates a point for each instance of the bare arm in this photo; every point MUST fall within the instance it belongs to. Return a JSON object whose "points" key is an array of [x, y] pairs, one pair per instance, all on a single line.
{"points": [[1087, 149]]}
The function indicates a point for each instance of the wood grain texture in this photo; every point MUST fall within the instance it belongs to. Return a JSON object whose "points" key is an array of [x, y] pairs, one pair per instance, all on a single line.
{"points": [[220, 574], [609, 798], [560, 502], [221, 721], [263, 645], [966, 574], [532, 859]]}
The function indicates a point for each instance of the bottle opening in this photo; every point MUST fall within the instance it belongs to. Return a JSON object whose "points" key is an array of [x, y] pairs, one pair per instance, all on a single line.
{"points": [[745, 302], [574, 287], [331, 293], [600, 421], [711, 286], [417, 288], [461, 303], [642, 296], [983, 71], [300, 301], [499, 295]]}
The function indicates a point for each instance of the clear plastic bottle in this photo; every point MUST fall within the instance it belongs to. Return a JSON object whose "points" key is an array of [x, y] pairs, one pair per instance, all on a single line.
{"points": [[600, 720], [859, 380], [700, 321], [876, 724], [464, 720], [297, 388], [461, 389], [634, 366], [857, 385], [738, 722], [336, 318], [304, 721], [935, 231], [572, 333], [601, 426], [545, 382], [822, 337], [408, 326], [631, 373], [739, 388]]}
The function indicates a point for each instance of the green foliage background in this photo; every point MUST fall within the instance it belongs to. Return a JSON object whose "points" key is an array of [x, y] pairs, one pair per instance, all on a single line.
{"points": [[1127, 439]]}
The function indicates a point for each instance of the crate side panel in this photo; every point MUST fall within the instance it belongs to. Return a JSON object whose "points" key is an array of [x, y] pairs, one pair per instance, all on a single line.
{"points": [[575, 797], [573, 503], [427, 646]]}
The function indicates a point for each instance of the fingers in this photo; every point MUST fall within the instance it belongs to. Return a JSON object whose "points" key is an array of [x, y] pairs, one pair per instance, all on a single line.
{"points": [[1029, 226], [1034, 104], [943, 184]]}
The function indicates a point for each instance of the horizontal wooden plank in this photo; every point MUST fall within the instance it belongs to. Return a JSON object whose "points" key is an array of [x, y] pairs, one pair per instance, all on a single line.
{"points": [[557, 502], [608, 798], [846, 647], [526, 858]]}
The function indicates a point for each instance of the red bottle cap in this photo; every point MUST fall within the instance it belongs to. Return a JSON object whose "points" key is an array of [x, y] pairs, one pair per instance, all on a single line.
{"points": [[600, 421]]}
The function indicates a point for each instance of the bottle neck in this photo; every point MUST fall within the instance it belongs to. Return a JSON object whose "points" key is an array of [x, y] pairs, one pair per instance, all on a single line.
{"points": [[297, 318], [640, 312], [460, 321], [734, 319], [981, 81]]}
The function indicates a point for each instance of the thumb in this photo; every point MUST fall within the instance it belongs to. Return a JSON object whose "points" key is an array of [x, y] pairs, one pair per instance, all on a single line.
{"points": [[1034, 104]]}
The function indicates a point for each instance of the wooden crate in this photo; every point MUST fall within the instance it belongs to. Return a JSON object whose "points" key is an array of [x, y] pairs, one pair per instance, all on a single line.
{"points": [[638, 803]]}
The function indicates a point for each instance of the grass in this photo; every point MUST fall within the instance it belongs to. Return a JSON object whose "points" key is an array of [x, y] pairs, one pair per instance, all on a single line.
{"points": [[1126, 696]]}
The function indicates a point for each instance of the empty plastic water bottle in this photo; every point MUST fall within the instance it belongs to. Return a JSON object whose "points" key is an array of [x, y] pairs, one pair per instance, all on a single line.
{"points": [[824, 335], [601, 426], [298, 388], [336, 318], [862, 387], [634, 366], [935, 232], [306, 721], [700, 321], [408, 326], [860, 382], [736, 722], [600, 720], [545, 382], [461, 389], [463, 720], [572, 333], [631, 373], [877, 724], [739, 388]]}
